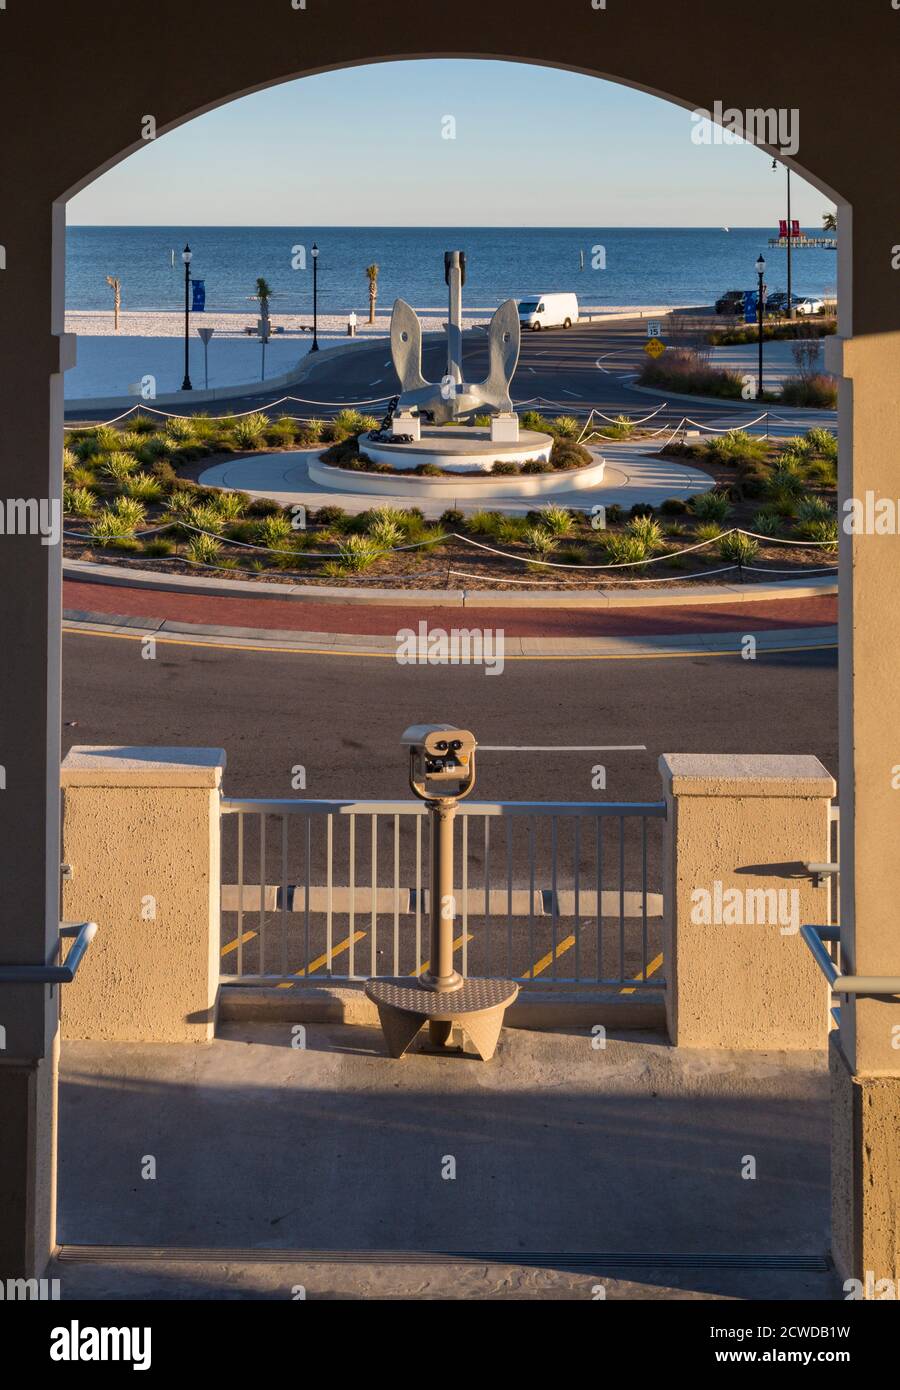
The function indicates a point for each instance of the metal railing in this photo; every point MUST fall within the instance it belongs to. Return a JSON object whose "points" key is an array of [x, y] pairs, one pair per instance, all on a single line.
{"points": [[547, 893], [80, 933]]}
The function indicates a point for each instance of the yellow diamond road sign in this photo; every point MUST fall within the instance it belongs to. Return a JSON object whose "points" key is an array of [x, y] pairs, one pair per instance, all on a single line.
{"points": [[654, 347]]}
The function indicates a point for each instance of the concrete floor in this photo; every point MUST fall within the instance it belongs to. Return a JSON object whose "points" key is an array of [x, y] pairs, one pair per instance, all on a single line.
{"points": [[559, 1148]]}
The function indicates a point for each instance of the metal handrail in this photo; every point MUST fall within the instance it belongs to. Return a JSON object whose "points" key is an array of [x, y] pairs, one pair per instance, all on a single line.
{"points": [[83, 933], [296, 806], [815, 938]]}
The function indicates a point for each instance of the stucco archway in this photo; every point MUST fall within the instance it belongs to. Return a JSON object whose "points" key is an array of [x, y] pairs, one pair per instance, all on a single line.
{"points": [[64, 128]]}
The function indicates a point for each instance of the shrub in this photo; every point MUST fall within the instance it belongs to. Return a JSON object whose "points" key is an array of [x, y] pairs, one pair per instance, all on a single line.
{"points": [[534, 420], [536, 466], [822, 471], [814, 509], [386, 533], [822, 531], [159, 546], [736, 448], [622, 427], [819, 391], [541, 541], [572, 555], [482, 523], [557, 520], [129, 510], [681, 369], [274, 532], [766, 524], [106, 439], [311, 431], [109, 527], [205, 518], [250, 430], [180, 429], [283, 431], [709, 531], [79, 476], [613, 514], [646, 530], [144, 486], [640, 509], [452, 519], [203, 550], [565, 453], [738, 548], [711, 506], [674, 506], [513, 528], [331, 516], [430, 470], [357, 553], [504, 466], [231, 505], [263, 506], [119, 466], [822, 441], [142, 424], [565, 427], [625, 550], [85, 447], [79, 501], [785, 480], [164, 473], [69, 461]]}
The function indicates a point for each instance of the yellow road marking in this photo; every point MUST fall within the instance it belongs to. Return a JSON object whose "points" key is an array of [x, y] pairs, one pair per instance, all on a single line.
{"points": [[651, 968], [425, 963], [391, 656], [548, 959], [323, 959], [233, 945]]}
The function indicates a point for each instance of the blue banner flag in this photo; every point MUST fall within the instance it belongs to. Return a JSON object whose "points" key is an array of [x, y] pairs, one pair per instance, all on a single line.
{"points": [[750, 306], [199, 303]]}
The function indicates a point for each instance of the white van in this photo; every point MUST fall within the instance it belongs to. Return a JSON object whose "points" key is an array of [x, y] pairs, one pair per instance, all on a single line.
{"points": [[548, 311]]}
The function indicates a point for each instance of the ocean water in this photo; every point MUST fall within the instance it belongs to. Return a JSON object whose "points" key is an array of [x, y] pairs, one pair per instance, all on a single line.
{"points": [[658, 265]]}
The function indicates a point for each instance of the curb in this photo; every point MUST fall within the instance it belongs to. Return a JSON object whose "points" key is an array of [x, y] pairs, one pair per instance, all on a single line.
{"points": [[88, 572], [514, 648], [725, 401]]}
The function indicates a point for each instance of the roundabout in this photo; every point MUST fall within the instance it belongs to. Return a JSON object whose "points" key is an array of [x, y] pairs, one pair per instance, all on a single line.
{"points": [[457, 450]]}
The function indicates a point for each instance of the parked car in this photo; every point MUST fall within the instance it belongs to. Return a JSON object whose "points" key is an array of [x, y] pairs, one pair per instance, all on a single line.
{"points": [[810, 305], [731, 302], [803, 304], [548, 311]]}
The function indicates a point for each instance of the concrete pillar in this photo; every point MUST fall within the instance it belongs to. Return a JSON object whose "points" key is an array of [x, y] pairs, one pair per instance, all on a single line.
{"points": [[738, 833], [141, 833], [865, 1061]]}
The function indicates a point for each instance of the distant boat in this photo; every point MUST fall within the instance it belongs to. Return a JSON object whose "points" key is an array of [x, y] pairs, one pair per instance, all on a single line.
{"points": [[172, 254], [726, 229], [581, 254]]}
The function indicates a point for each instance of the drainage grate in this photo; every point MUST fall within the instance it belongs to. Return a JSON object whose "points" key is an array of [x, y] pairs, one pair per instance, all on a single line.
{"points": [[653, 1259]]}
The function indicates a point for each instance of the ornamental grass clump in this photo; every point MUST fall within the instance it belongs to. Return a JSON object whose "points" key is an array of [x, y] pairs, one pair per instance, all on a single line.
{"points": [[711, 506], [738, 549]]}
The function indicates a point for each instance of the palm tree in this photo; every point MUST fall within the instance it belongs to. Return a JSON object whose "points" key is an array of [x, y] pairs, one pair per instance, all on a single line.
{"points": [[263, 294], [116, 285], [829, 222], [372, 272]]}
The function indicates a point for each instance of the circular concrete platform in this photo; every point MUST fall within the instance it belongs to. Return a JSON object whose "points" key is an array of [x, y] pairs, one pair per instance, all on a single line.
{"points": [[458, 448], [291, 478], [484, 486]]}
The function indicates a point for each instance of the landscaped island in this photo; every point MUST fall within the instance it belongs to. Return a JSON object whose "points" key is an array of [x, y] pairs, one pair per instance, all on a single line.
{"points": [[131, 497]]}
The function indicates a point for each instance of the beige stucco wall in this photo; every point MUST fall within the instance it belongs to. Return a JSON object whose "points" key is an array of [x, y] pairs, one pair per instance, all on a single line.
{"points": [[141, 833], [747, 823]]}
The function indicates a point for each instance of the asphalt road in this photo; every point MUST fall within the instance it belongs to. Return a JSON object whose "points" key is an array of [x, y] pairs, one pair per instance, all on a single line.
{"points": [[573, 369], [340, 718]]}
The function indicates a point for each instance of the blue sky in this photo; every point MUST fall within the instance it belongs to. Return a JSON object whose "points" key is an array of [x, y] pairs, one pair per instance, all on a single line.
{"points": [[365, 147]]}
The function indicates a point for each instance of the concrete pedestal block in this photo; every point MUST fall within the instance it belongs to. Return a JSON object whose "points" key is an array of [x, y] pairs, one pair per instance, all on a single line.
{"points": [[505, 429], [865, 1178], [141, 832], [739, 831], [407, 424]]}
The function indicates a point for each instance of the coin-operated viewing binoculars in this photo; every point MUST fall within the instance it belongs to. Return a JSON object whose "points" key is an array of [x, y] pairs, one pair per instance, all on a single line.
{"points": [[441, 773]]}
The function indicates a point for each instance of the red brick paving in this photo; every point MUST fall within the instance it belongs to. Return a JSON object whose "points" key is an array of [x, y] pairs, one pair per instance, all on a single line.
{"points": [[293, 615]]}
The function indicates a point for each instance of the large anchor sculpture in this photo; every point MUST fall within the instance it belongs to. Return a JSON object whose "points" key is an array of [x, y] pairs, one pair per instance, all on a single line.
{"points": [[452, 397]]}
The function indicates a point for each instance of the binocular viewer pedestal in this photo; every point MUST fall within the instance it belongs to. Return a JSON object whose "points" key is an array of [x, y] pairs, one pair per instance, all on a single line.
{"points": [[476, 1006]]}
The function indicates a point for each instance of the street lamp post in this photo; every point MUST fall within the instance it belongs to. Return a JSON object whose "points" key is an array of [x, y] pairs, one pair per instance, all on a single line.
{"points": [[187, 257], [760, 271], [790, 242], [315, 261]]}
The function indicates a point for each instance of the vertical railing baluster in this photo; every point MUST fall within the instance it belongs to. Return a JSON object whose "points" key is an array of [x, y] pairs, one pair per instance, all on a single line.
{"points": [[374, 915], [531, 894], [554, 921], [284, 894], [329, 880], [396, 965], [263, 878], [352, 875], [306, 958], [599, 897], [577, 897], [621, 897], [644, 896], [509, 893], [240, 921], [418, 895], [488, 920], [465, 893]]}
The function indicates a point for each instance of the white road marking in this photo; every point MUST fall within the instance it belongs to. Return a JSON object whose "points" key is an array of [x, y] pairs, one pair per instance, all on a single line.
{"points": [[576, 394]]}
